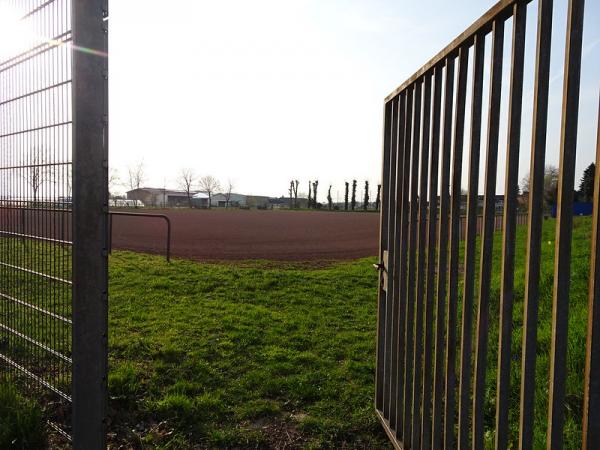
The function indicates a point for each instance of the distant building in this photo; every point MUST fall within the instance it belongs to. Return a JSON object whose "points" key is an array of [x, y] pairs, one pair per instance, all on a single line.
{"points": [[235, 200], [284, 202], [257, 201], [279, 202], [158, 197], [239, 201], [171, 198], [498, 202], [200, 200]]}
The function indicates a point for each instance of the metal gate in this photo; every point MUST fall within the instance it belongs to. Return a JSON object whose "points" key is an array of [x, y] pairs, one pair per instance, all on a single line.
{"points": [[434, 306], [53, 210]]}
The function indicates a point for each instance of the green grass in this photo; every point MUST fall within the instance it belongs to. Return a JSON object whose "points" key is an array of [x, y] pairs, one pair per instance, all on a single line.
{"points": [[218, 354], [258, 354], [580, 269], [243, 355], [21, 423]]}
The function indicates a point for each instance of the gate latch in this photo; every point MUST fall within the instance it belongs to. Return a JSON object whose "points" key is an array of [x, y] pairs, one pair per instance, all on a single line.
{"points": [[381, 267]]}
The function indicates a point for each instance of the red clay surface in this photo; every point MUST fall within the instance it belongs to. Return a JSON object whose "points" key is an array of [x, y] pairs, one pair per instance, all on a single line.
{"points": [[221, 235]]}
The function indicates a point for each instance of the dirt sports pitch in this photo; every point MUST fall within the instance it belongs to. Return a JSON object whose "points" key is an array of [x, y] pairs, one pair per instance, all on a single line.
{"points": [[251, 234]]}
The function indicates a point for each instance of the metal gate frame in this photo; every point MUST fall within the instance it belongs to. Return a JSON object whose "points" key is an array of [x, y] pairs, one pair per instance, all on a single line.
{"points": [[417, 377]]}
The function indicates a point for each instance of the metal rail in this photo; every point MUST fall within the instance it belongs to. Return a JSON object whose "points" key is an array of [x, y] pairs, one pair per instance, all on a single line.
{"points": [[130, 214]]}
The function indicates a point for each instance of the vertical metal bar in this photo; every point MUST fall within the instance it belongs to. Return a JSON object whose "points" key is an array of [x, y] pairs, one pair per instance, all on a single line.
{"points": [[420, 288], [387, 377], [487, 239], [168, 238], [535, 218], [90, 207], [402, 288], [396, 341], [440, 308], [591, 397], [410, 291], [110, 232], [431, 252], [564, 223], [390, 357], [471, 235], [383, 244], [455, 224], [509, 228]]}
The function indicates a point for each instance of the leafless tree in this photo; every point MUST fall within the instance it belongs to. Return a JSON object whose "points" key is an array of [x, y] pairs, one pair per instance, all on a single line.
{"points": [[186, 181], [296, 183], [136, 176], [291, 194], [228, 191], [68, 181], [113, 181], [210, 185], [37, 172]]}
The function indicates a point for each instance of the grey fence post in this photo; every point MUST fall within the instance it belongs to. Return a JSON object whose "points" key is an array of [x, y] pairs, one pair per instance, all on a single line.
{"points": [[90, 212]]}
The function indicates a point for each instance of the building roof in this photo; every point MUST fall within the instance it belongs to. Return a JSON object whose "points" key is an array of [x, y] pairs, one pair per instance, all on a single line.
{"points": [[161, 191], [200, 195]]}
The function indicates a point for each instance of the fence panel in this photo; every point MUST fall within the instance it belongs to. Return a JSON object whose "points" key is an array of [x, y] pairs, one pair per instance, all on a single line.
{"points": [[53, 203], [437, 275]]}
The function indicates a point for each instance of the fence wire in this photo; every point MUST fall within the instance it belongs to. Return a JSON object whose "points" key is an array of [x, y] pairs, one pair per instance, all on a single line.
{"points": [[35, 202]]}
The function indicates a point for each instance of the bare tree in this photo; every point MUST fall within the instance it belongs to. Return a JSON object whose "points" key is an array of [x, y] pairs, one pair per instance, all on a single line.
{"points": [[136, 176], [68, 181], [329, 200], [353, 202], [210, 185], [309, 194], [315, 187], [186, 181], [228, 191], [37, 173], [291, 194], [378, 198], [366, 198], [113, 181], [295, 187]]}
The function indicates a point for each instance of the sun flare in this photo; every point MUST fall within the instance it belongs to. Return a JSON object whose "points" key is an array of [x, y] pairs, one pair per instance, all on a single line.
{"points": [[15, 34]]}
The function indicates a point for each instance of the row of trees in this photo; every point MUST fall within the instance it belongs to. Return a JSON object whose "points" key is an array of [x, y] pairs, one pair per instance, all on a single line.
{"points": [[585, 193], [349, 203], [187, 180]]}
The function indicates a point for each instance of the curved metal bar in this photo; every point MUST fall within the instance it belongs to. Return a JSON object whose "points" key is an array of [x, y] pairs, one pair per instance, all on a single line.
{"points": [[132, 214]]}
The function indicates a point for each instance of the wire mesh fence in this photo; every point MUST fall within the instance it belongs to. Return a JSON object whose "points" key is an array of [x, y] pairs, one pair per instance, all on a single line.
{"points": [[35, 201], [37, 233]]}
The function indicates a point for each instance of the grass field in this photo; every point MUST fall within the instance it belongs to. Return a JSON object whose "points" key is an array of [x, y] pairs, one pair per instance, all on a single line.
{"points": [[273, 355], [262, 354]]}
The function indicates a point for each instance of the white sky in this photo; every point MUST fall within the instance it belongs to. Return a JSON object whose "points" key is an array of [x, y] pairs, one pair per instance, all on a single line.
{"points": [[266, 91]]}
